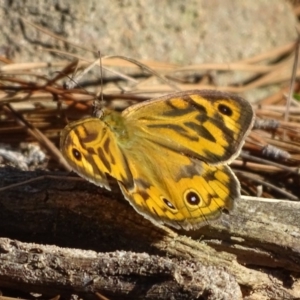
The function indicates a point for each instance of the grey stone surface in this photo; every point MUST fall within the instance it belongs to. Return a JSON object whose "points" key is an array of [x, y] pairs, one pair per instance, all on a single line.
{"points": [[175, 31]]}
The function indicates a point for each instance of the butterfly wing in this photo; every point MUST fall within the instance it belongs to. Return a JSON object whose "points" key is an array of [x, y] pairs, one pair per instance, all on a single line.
{"points": [[177, 156], [177, 190], [91, 149], [205, 124]]}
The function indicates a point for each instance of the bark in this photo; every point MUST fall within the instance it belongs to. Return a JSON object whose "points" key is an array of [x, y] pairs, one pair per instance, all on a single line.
{"points": [[252, 253]]}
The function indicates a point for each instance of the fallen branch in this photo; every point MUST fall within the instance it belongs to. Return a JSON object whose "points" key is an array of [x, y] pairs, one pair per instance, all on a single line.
{"points": [[258, 244]]}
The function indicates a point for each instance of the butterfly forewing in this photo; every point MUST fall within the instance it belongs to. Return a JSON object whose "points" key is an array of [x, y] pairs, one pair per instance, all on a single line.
{"points": [[208, 125], [91, 150]]}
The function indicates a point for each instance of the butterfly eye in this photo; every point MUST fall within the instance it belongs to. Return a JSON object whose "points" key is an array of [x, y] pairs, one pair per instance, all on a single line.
{"points": [[168, 203], [76, 154], [225, 110], [192, 198]]}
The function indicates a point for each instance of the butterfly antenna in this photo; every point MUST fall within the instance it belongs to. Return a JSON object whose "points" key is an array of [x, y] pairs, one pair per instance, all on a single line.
{"points": [[101, 79], [98, 107]]}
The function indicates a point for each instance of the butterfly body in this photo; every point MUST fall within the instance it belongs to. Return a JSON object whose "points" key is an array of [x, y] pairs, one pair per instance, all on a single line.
{"points": [[169, 155]]}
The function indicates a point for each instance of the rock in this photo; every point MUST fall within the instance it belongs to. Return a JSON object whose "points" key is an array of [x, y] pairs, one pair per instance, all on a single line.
{"points": [[173, 31]]}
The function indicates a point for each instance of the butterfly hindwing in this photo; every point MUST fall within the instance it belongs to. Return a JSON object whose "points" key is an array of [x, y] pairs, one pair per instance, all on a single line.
{"points": [[187, 197]]}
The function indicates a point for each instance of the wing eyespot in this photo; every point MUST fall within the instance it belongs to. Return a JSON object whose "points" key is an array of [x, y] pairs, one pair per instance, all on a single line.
{"points": [[225, 211], [76, 154], [192, 198], [168, 203], [225, 110]]}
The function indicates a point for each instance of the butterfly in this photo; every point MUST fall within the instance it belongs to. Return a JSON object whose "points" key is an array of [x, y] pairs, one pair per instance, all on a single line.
{"points": [[169, 155]]}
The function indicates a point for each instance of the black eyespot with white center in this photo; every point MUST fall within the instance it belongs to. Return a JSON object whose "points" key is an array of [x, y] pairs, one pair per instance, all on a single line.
{"points": [[168, 203], [225, 110], [192, 198], [76, 154]]}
